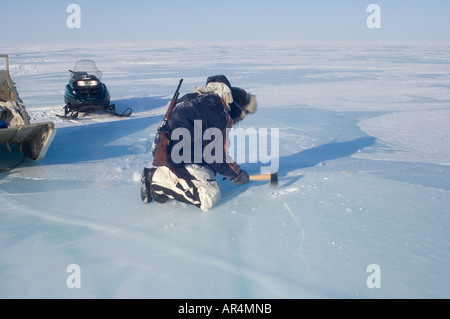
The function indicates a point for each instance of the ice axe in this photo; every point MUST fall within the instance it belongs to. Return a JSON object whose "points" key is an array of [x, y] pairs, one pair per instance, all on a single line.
{"points": [[273, 178]]}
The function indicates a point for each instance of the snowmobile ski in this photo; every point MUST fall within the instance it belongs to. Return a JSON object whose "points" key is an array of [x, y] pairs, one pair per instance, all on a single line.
{"points": [[111, 109]]}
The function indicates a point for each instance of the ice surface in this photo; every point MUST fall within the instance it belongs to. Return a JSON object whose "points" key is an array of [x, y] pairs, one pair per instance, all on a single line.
{"points": [[364, 178]]}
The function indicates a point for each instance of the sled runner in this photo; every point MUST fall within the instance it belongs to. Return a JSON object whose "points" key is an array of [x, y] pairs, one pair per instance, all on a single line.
{"points": [[16, 131], [86, 92]]}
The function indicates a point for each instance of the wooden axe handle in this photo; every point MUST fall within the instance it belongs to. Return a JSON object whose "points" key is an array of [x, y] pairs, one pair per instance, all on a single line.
{"points": [[260, 177], [273, 178]]}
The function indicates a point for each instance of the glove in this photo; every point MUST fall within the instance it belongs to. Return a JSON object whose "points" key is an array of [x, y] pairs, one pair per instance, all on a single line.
{"points": [[241, 179]]}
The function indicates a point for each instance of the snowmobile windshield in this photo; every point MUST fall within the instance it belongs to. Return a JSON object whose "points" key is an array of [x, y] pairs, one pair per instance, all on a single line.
{"points": [[85, 68]]}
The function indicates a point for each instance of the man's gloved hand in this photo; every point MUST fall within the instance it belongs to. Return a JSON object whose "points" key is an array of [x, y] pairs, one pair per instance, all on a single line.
{"points": [[241, 179]]}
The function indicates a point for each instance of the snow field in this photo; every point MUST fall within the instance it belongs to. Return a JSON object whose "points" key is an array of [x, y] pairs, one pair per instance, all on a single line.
{"points": [[363, 178]]}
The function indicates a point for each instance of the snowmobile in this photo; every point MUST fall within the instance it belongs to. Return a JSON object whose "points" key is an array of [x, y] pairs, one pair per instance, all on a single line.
{"points": [[87, 93], [16, 131]]}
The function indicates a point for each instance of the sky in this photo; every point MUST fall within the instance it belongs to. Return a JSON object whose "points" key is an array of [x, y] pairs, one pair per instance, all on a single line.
{"points": [[201, 21]]}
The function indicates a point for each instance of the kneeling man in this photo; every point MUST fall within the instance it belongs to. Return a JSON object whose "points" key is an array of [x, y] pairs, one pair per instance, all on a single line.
{"points": [[190, 176]]}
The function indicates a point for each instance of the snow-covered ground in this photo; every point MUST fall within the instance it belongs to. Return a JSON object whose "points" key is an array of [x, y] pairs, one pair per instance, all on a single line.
{"points": [[364, 178]]}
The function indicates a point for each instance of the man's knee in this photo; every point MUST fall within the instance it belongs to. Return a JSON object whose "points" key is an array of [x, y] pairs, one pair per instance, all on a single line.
{"points": [[205, 181], [194, 185]]}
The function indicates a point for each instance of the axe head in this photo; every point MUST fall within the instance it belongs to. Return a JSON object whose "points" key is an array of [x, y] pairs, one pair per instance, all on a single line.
{"points": [[274, 179]]}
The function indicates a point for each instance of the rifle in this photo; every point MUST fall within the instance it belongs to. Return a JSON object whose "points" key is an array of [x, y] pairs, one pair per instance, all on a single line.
{"points": [[160, 156]]}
